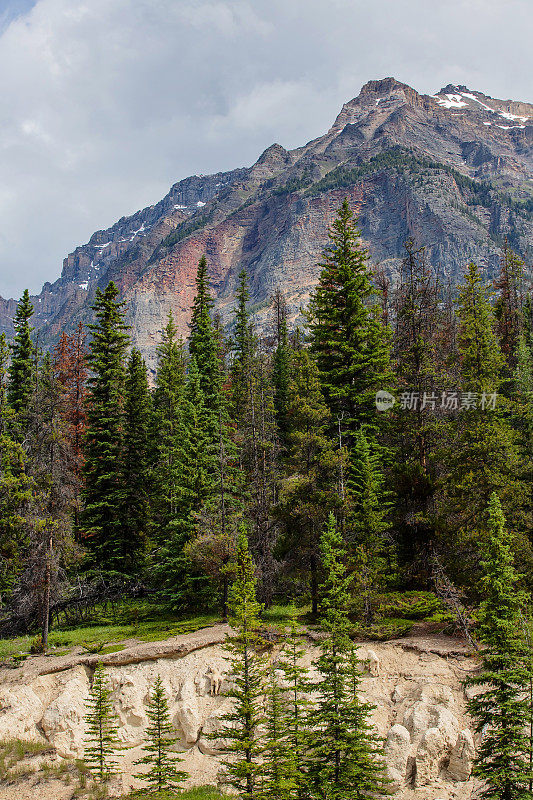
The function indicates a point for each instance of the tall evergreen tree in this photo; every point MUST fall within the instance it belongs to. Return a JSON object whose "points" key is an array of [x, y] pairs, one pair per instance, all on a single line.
{"points": [[15, 489], [203, 340], [21, 370], [247, 664], [366, 524], [101, 728], [135, 490], [501, 709], [348, 337], [289, 720], [281, 365], [344, 757], [163, 775], [101, 523], [481, 455], [242, 354], [315, 473]]}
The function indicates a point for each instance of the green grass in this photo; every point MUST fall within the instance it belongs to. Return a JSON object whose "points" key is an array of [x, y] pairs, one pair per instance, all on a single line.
{"points": [[13, 751], [146, 622], [280, 614], [198, 793]]}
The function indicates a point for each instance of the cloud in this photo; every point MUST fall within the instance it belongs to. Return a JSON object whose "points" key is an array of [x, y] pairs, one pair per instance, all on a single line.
{"points": [[105, 104]]}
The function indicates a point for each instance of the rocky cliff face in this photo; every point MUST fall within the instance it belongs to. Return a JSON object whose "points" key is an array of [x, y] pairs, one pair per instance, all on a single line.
{"points": [[415, 685], [454, 171]]}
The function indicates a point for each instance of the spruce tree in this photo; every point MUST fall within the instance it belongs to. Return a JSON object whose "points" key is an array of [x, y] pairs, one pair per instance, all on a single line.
{"points": [[344, 755], [163, 775], [501, 709], [368, 507], [15, 489], [314, 473], [101, 522], [279, 774], [247, 665], [481, 454], [134, 494], [175, 422], [348, 338], [281, 365], [21, 370], [289, 714], [203, 341], [242, 353], [101, 728]]}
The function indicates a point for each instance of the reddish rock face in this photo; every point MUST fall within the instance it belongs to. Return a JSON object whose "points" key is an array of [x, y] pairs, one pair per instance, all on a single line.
{"points": [[453, 171]]}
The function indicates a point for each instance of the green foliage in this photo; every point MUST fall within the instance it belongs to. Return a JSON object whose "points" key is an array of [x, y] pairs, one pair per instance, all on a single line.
{"points": [[13, 751], [163, 774], [101, 520], [481, 358], [22, 366], [314, 475], [288, 720], [15, 489], [501, 710], [135, 490], [366, 523], [241, 731], [344, 755], [348, 338], [101, 728]]}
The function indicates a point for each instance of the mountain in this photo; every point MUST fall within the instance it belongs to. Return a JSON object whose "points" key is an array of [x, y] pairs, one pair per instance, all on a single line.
{"points": [[454, 171]]}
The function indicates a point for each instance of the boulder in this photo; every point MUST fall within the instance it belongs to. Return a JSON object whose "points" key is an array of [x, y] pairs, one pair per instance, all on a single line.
{"points": [[462, 756], [187, 714], [209, 743], [396, 751], [430, 756]]}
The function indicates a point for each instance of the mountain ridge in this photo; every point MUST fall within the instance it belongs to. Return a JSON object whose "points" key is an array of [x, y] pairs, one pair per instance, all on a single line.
{"points": [[452, 170]]}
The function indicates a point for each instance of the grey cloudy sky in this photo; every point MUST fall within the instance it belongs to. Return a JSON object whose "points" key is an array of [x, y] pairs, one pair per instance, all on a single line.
{"points": [[105, 103]]}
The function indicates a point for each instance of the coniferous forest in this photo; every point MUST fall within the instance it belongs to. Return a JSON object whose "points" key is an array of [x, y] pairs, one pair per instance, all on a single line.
{"points": [[383, 447]]}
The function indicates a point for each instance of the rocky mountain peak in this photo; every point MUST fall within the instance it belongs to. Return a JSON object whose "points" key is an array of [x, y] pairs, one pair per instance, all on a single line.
{"points": [[452, 170], [377, 98]]}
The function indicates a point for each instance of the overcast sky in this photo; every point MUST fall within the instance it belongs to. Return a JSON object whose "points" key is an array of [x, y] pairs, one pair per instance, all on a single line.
{"points": [[105, 103]]}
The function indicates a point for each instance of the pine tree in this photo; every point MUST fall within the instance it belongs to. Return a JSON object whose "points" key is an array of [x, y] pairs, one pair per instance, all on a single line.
{"points": [[314, 477], [134, 496], [15, 489], [348, 337], [242, 353], [101, 731], [509, 304], [247, 665], [279, 774], [21, 371], [175, 419], [163, 775], [281, 365], [289, 713], [344, 758], [501, 710], [368, 508], [480, 455], [203, 341], [101, 523]]}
